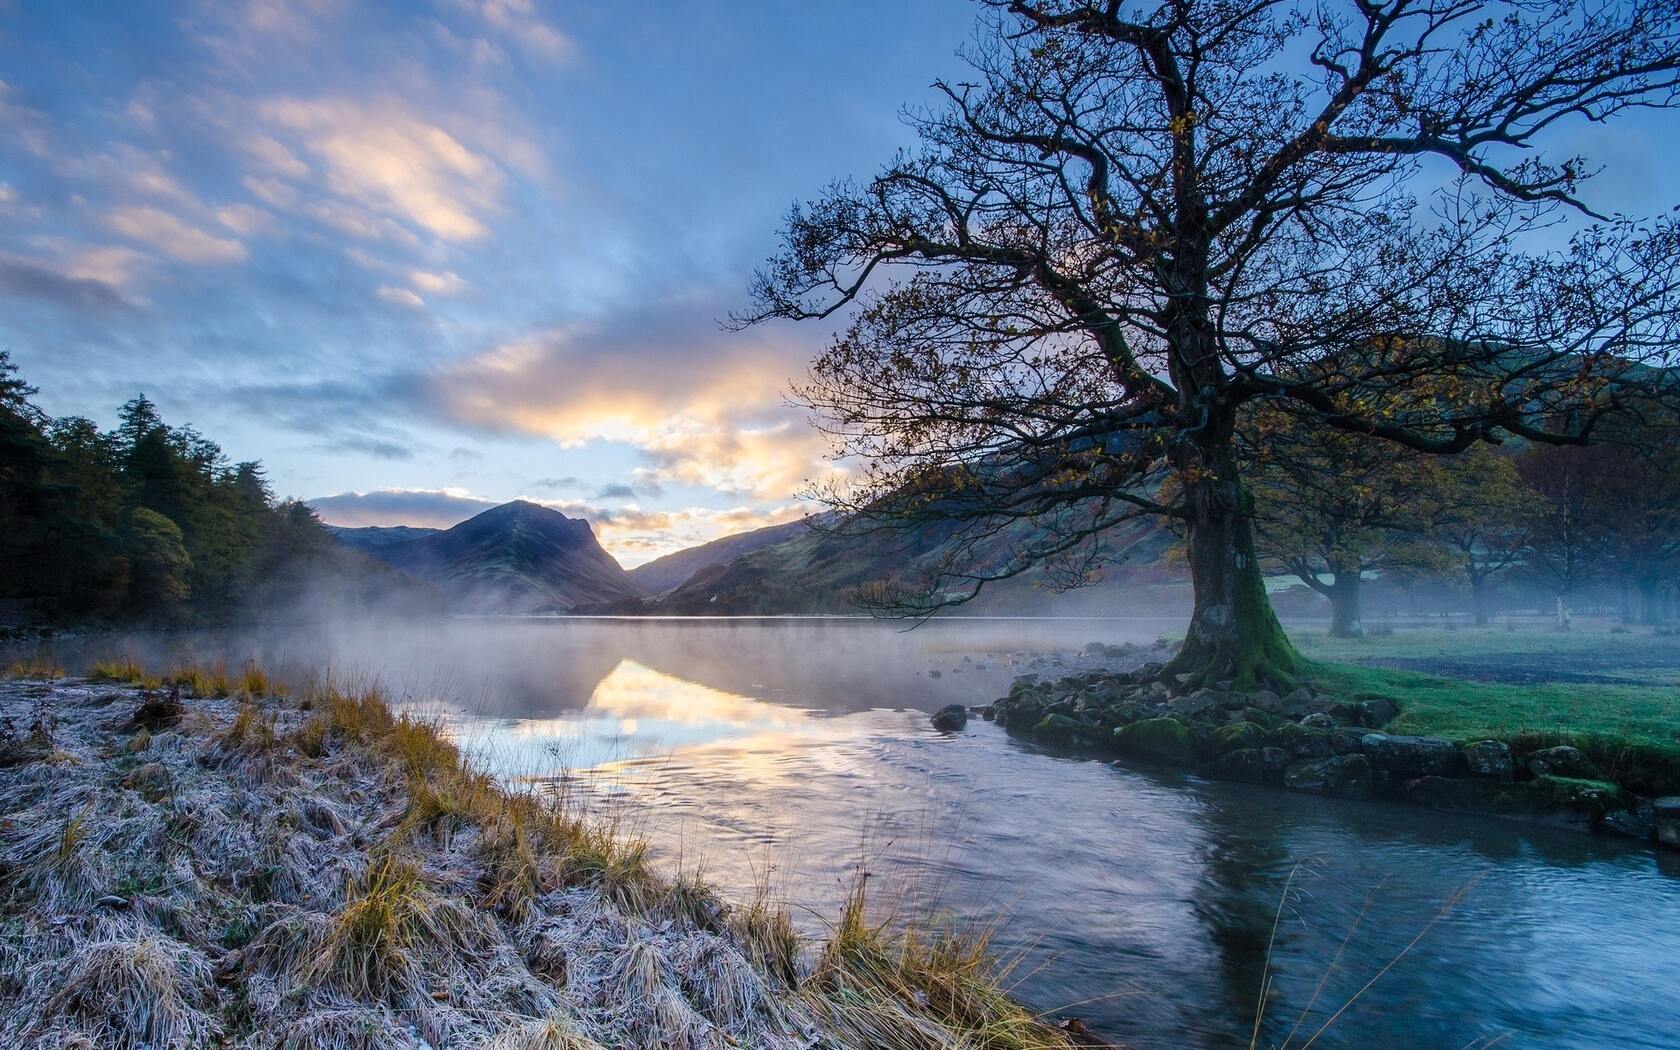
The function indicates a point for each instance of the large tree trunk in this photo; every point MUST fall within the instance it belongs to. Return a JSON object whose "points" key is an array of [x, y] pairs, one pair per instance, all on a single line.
{"points": [[1624, 604], [1480, 600], [1344, 605], [1650, 601], [1562, 612], [1234, 635]]}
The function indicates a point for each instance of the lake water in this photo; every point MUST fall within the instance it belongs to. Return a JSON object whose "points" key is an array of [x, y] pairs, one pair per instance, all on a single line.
{"points": [[1144, 902]]}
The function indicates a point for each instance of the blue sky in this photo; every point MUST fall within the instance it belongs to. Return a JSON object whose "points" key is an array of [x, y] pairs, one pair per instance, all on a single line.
{"points": [[421, 258], [444, 254]]}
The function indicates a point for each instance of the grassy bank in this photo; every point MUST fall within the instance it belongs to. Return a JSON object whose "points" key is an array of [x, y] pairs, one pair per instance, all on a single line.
{"points": [[192, 858], [1629, 722]]}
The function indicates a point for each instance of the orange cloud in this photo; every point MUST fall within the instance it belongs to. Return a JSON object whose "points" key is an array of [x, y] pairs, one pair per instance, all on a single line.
{"points": [[172, 236]]}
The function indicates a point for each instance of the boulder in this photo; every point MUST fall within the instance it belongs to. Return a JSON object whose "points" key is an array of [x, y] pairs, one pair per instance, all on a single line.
{"points": [[950, 718], [1372, 714], [1196, 705], [1562, 761], [1266, 700], [1591, 799], [1067, 732], [1319, 720], [1248, 765], [1297, 704], [1488, 758], [1157, 739], [1665, 813], [1344, 776], [1410, 756], [1345, 740], [1236, 737], [1303, 741], [1636, 822]]}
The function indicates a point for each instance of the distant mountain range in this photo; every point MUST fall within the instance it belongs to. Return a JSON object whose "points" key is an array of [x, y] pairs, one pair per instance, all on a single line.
{"points": [[519, 557], [525, 558]]}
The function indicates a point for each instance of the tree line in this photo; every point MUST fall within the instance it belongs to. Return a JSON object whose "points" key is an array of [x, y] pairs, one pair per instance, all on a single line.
{"points": [[1335, 511], [151, 522]]}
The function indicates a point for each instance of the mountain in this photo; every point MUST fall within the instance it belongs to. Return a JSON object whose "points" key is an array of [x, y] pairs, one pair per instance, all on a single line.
{"points": [[373, 536], [516, 558], [823, 569], [666, 574]]}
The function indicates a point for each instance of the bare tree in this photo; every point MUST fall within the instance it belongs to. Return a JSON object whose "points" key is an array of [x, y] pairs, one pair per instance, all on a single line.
{"points": [[1139, 217]]}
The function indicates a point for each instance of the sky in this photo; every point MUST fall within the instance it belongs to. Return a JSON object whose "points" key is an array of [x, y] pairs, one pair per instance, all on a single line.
{"points": [[423, 258]]}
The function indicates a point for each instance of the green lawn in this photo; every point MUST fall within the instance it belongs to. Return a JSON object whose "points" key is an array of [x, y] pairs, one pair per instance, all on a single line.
{"points": [[1645, 710]]}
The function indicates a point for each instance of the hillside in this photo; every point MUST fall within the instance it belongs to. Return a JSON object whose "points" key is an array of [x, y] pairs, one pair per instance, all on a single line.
{"points": [[516, 558], [666, 574], [822, 570], [373, 536]]}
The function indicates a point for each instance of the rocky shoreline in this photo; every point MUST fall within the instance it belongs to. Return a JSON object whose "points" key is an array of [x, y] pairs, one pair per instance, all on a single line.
{"points": [[1316, 743]]}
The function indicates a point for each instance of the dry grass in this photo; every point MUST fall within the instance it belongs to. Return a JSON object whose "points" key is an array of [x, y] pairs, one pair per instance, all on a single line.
{"points": [[35, 668], [123, 669], [333, 872]]}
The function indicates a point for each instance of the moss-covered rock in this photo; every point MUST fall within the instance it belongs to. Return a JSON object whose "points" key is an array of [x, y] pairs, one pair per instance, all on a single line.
{"points": [[1248, 765], [1302, 741], [1165, 740], [1066, 731], [1344, 776], [1237, 736]]}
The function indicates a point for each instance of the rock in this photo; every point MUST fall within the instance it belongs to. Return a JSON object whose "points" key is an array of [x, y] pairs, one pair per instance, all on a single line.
{"points": [[1494, 797], [1665, 812], [1592, 799], [1636, 822], [151, 781], [988, 712], [1562, 761], [1303, 741], [1345, 740], [1319, 720], [1344, 776], [1297, 704], [1197, 704], [1158, 739], [1371, 714], [1248, 765], [1410, 756], [936, 674], [1068, 732], [1266, 700], [1237, 737], [1488, 758], [950, 718]]}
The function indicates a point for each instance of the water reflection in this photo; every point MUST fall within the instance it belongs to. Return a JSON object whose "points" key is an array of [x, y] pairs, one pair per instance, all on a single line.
{"points": [[1148, 899]]}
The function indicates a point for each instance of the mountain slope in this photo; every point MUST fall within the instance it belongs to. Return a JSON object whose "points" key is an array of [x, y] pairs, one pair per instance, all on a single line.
{"points": [[372, 536], [667, 573], [516, 558], [820, 570]]}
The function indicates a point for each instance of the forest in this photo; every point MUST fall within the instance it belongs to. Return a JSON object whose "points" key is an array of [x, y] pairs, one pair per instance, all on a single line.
{"points": [[152, 523]]}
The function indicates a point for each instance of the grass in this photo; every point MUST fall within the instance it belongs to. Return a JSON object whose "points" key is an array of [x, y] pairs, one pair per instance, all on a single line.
{"points": [[1631, 731], [124, 670], [35, 667]]}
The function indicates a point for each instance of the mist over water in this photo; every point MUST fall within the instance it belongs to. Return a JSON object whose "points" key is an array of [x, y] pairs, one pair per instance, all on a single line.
{"points": [[798, 749]]}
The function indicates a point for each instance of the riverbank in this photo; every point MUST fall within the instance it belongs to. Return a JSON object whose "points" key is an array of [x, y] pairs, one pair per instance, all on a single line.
{"points": [[1601, 756], [209, 860]]}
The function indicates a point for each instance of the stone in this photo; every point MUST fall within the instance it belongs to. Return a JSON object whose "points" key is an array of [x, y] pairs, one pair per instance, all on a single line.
{"points": [[1248, 765], [1665, 812], [1562, 761], [1372, 714], [1157, 739], [1319, 720], [1636, 822], [1303, 741], [1197, 704], [936, 674], [1266, 700], [1298, 704], [1488, 758], [950, 718], [1067, 732], [1410, 756], [1344, 776], [1345, 740], [1591, 799], [1237, 737]]}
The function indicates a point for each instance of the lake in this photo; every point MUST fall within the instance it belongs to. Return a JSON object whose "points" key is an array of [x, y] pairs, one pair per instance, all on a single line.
{"points": [[1154, 905]]}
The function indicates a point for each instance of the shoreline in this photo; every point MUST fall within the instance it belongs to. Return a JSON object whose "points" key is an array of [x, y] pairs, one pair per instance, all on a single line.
{"points": [[210, 859], [1313, 742]]}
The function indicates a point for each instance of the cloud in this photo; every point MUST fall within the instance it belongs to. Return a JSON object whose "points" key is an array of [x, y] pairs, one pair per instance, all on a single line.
{"points": [[447, 283], [433, 508], [378, 448], [706, 408], [245, 220], [273, 156], [383, 158], [160, 230], [31, 280], [401, 297], [520, 22]]}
